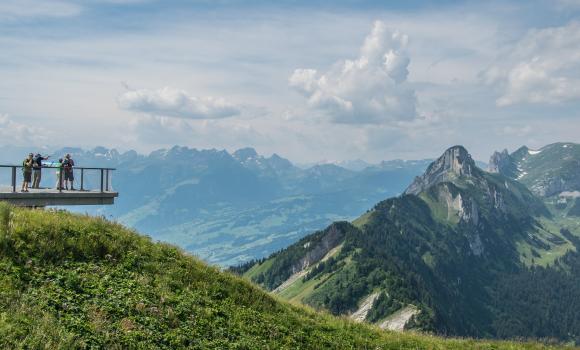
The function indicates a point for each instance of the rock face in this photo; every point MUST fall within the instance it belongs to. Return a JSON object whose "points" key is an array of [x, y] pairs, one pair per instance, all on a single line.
{"points": [[332, 238], [366, 305], [501, 162], [455, 162], [398, 320]]}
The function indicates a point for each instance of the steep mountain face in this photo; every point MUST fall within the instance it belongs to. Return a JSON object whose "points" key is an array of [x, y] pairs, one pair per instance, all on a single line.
{"points": [[503, 163], [547, 172], [438, 257], [230, 208], [454, 163], [75, 282]]}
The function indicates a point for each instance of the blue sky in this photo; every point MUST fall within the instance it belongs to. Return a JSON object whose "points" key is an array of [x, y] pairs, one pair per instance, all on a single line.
{"points": [[310, 80]]}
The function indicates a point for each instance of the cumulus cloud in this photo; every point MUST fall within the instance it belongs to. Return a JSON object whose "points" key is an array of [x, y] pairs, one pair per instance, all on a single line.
{"points": [[542, 68], [371, 89], [170, 102]]}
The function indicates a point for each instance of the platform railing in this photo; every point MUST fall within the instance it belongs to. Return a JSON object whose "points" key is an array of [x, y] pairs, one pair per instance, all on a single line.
{"points": [[105, 176]]}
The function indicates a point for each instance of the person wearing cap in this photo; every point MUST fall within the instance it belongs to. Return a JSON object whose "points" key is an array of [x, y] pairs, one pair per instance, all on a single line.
{"points": [[68, 165], [27, 172], [37, 170]]}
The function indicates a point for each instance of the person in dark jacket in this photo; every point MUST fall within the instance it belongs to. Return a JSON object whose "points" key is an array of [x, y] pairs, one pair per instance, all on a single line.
{"points": [[68, 165], [37, 170]]}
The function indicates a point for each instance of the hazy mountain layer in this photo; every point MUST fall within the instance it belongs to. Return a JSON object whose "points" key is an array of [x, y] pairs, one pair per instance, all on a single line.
{"points": [[230, 208]]}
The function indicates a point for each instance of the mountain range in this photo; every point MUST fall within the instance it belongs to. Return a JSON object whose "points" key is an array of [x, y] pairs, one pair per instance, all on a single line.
{"points": [[462, 251], [229, 208]]}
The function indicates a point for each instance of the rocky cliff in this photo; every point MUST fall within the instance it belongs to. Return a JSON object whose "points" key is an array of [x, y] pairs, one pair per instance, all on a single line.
{"points": [[454, 162]]}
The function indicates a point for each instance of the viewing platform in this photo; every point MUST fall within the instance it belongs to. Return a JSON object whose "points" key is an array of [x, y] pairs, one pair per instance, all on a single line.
{"points": [[93, 187]]}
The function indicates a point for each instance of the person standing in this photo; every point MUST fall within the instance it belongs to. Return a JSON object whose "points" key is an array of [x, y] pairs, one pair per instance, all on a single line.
{"points": [[68, 165], [27, 172], [37, 170], [59, 174]]}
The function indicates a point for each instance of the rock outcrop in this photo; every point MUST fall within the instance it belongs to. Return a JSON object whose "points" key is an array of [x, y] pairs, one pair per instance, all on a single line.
{"points": [[455, 162], [502, 163]]}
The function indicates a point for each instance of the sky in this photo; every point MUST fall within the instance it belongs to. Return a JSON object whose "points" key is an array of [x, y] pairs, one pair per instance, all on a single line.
{"points": [[309, 80]]}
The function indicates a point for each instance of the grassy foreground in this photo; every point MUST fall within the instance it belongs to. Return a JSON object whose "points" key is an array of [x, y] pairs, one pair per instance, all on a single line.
{"points": [[70, 281]]}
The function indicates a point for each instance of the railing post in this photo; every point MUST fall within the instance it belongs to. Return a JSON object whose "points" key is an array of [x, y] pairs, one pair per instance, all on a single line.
{"points": [[13, 179], [60, 182], [107, 179], [102, 175], [82, 179]]}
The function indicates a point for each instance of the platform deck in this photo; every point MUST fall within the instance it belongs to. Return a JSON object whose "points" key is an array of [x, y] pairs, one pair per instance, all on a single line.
{"points": [[44, 197]]}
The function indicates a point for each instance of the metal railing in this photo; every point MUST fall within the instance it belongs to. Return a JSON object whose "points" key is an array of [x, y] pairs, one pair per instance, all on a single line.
{"points": [[105, 182]]}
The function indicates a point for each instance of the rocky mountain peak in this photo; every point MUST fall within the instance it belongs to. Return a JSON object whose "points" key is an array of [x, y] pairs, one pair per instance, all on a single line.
{"points": [[499, 162], [454, 162], [244, 154]]}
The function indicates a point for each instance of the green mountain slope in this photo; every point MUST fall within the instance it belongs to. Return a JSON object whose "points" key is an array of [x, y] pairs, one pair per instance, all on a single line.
{"points": [[548, 171], [68, 281], [447, 256]]}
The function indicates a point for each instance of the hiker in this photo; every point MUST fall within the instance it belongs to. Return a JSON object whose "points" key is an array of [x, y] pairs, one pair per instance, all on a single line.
{"points": [[27, 172], [58, 174], [37, 169], [68, 165]]}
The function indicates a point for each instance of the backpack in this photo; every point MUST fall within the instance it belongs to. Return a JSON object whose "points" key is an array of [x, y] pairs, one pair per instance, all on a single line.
{"points": [[67, 165]]}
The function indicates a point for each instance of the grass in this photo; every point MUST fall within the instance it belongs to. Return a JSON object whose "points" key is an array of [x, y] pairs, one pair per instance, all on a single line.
{"points": [[362, 220], [258, 269], [549, 233], [70, 281], [298, 290]]}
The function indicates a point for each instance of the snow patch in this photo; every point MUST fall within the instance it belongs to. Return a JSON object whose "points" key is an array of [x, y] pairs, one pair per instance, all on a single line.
{"points": [[565, 146], [522, 174], [532, 152], [570, 194]]}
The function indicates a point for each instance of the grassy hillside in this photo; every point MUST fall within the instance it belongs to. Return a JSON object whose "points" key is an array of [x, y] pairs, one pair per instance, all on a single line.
{"points": [[69, 281]]}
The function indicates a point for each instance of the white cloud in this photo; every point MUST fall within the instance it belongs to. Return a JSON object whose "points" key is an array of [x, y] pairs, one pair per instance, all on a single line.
{"points": [[371, 89], [170, 102], [15, 133], [542, 68], [519, 131], [162, 132], [16, 9]]}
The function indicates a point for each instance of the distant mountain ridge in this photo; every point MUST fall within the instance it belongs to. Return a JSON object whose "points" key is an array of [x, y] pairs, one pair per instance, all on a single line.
{"points": [[548, 171], [232, 207], [462, 252]]}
